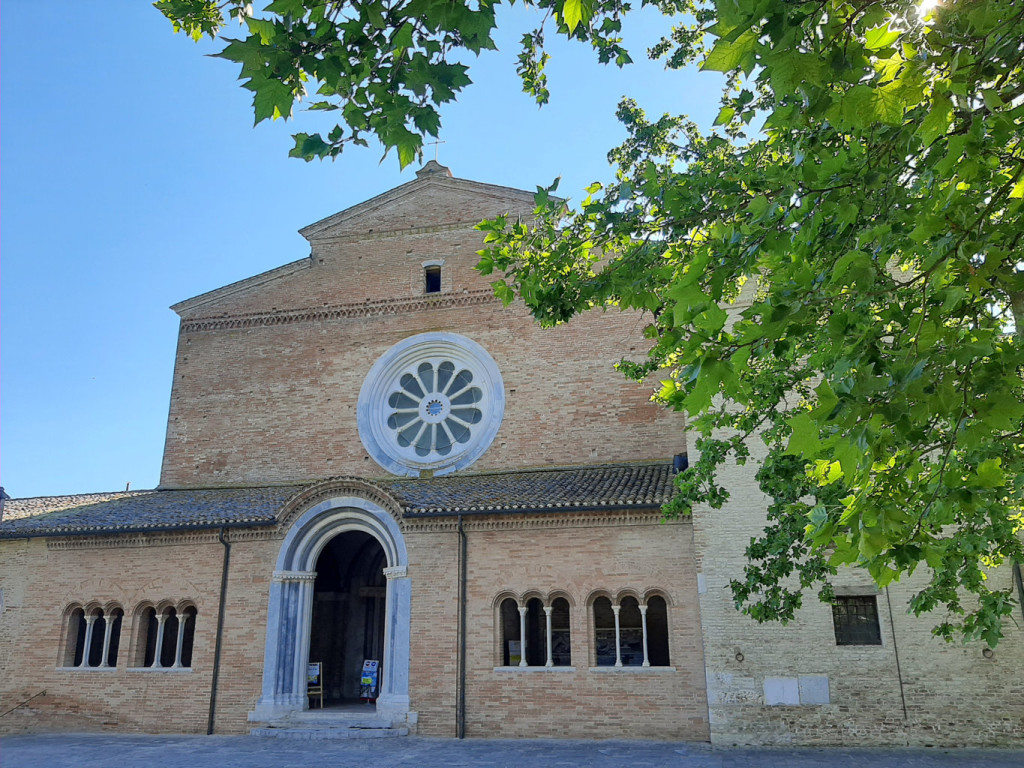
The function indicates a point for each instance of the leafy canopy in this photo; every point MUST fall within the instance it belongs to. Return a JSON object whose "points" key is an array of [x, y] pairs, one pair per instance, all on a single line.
{"points": [[843, 283]]}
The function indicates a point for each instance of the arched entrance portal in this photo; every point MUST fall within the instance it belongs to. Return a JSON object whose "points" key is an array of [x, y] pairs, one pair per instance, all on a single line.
{"points": [[349, 608], [293, 590]]}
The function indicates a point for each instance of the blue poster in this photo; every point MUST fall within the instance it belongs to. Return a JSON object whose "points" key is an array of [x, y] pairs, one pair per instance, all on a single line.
{"points": [[368, 682]]}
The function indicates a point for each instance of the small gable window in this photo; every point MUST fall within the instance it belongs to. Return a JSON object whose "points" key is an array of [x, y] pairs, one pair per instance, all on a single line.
{"points": [[432, 276]]}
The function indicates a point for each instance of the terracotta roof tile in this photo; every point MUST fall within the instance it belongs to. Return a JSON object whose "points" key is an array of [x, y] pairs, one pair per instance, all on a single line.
{"points": [[557, 489], [538, 490], [97, 513]]}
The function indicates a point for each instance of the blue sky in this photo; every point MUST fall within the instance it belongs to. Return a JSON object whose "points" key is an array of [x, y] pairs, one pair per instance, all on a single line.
{"points": [[131, 178]]}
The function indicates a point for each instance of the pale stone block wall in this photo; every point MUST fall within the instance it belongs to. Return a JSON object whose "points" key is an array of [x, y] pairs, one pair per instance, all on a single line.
{"points": [[953, 694]]}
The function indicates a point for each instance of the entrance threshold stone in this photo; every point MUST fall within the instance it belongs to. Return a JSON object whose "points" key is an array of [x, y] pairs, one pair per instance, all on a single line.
{"points": [[327, 724]]}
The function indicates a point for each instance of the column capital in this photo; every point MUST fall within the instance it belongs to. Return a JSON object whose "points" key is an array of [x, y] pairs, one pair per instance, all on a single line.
{"points": [[396, 572], [294, 576]]}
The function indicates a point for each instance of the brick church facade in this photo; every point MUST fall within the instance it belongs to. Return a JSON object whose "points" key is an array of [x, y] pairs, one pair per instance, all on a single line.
{"points": [[369, 457]]}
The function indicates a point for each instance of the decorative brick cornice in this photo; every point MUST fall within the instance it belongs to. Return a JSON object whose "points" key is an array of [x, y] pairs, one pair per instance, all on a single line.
{"points": [[384, 234], [169, 539], [338, 486], [499, 522], [339, 311]]}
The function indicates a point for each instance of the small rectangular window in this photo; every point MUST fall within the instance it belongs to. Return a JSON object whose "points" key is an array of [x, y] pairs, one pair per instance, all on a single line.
{"points": [[433, 276], [856, 620]]}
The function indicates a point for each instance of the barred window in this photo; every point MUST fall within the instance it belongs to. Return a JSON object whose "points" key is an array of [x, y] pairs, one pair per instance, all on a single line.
{"points": [[856, 620]]}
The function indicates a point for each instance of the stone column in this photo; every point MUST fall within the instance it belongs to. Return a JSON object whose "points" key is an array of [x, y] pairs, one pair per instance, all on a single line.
{"points": [[180, 641], [643, 621], [522, 636], [618, 644], [547, 620], [87, 645], [287, 651], [393, 698], [108, 626], [158, 647]]}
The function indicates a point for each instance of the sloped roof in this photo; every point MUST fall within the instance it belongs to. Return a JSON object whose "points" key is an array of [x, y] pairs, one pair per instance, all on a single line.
{"points": [[541, 490], [563, 489], [432, 174], [134, 511], [388, 205]]}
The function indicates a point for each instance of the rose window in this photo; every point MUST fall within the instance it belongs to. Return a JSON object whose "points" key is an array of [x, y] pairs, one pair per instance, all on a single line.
{"points": [[435, 409], [432, 403]]}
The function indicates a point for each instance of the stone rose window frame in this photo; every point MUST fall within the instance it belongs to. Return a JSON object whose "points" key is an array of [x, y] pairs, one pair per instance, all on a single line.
{"points": [[432, 403]]}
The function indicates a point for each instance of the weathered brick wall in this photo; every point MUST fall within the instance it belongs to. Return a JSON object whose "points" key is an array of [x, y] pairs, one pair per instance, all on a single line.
{"points": [[433, 652], [953, 694], [267, 374], [278, 404], [576, 557], [129, 571]]}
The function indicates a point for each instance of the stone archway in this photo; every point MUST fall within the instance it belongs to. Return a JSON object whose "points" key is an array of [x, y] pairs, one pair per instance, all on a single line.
{"points": [[289, 612]]}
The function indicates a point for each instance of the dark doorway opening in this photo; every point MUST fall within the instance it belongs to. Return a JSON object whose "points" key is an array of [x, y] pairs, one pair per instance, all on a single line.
{"points": [[348, 613]]}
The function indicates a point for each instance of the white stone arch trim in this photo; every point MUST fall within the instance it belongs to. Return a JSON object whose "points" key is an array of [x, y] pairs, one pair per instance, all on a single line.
{"points": [[337, 487], [560, 593], [628, 592], [531, 594], [166, 605], [142, 606], [657, 592], [286, 653], [68, 633], [71, 607], [589, 602], [502, 597], [113, 605]]}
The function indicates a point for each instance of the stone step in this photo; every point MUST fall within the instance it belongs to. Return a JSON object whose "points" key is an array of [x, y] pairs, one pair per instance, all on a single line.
{"points": [[331, 720], [307, 733]]}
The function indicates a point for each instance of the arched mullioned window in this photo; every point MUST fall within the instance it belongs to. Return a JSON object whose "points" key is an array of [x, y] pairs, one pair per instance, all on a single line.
{"points": [[511, 640], [166, 637], [631, 633], [535, 634], [657, 631], [93, 637], [561, 635], [604, 632]]}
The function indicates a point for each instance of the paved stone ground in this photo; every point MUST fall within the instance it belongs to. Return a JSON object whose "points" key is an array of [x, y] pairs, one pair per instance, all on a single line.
{"points": [[124, 751]]}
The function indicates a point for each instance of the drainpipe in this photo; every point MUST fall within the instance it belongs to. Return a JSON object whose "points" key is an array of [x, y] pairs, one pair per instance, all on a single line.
{"points": [[460, 696], [1020, 587], [899, 672], [220, 629]]}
